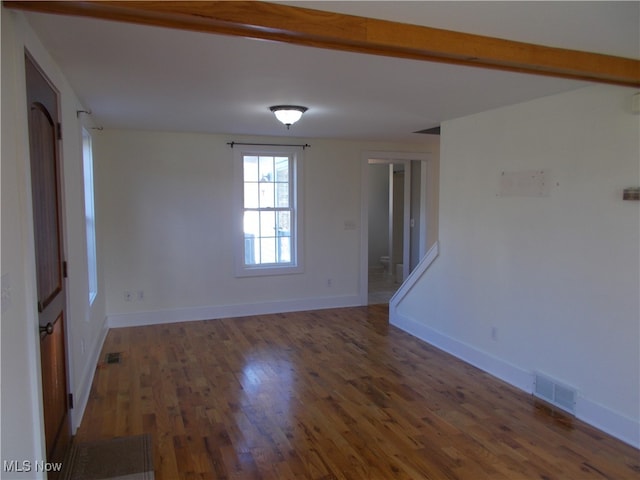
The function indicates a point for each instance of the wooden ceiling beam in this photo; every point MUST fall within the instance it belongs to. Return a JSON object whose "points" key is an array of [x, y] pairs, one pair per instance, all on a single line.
{"points": [[302, 26]]}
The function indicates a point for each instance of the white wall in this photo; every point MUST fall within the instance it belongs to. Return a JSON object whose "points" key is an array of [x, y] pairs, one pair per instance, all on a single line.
{"points": [[556, 276], [166, 223], [22, 431]]}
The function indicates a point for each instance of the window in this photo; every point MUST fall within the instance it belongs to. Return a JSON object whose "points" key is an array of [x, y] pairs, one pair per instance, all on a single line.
{"points": [[87, 161], [271, 235]]}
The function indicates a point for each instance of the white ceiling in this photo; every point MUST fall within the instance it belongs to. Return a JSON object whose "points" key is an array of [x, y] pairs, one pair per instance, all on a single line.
{"points": [[141, 77]]}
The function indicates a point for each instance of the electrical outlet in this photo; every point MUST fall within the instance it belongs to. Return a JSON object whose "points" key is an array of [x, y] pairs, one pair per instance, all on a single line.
{"points": [[128, 296], [494, 334], [329, 282], [139, 295]]}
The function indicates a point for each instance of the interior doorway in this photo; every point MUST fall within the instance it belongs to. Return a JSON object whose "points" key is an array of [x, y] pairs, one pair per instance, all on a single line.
{"points": [[388, 229], [393, 221]]}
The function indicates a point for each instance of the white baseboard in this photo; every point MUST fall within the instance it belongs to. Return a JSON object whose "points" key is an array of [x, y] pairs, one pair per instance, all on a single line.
{"points": [[229, 311], [602, 418], [488, 363], [599, 416], [81, 394]]}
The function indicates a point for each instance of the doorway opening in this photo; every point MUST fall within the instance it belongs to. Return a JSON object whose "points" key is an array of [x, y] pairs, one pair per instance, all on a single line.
{"points": [[394, 221]]}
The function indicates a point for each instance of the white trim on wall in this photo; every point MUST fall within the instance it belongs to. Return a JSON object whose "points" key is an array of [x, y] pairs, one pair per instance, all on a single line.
{"points": [[81, 396], [413, 278], [229, 311]]}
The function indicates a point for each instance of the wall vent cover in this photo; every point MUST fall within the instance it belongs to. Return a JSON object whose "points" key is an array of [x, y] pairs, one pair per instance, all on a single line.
{"points": [[555, 393]]}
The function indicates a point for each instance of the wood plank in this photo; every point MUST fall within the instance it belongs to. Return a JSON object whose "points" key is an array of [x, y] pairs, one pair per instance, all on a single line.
{"points": [[330, 30], [333, 394]]}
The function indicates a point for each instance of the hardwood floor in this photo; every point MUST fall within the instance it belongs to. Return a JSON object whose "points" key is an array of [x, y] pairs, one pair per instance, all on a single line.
{"points": [[332, 394]]}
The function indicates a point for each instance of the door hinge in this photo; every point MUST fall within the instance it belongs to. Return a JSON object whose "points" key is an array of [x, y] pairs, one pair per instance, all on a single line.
{"points": [[71, 400], [65, 273], [59, 130]]}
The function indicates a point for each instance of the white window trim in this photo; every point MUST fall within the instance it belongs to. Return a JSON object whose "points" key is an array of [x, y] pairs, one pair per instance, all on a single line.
{"points": [[297, 263]]}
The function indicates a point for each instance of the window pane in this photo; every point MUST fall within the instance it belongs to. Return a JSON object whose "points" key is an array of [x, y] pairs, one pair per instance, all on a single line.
{"points": [[251, 224], [92, 262], [282, 194], [282, 169], [250, 169], [284, 249], [268, 250], [251, 256], [267, 195], [284, 223], [266, 169], [251, 195], [267, 224]]}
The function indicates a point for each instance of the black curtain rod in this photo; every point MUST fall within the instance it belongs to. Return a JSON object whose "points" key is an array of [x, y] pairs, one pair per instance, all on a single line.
{"points": [[231, 144]]}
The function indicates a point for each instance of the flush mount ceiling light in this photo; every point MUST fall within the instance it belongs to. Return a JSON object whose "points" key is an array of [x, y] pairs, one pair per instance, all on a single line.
{"points": [[288, 114]]}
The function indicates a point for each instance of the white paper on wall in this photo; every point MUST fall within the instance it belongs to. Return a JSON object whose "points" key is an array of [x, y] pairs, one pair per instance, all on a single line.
{"points": [[529, 183]]}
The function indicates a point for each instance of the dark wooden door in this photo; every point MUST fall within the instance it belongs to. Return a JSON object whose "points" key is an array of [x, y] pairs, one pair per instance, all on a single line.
{"points": [[42, 104]]}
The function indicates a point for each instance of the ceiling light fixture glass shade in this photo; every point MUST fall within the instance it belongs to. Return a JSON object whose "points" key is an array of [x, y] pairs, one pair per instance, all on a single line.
{"points": [[288, 114]]}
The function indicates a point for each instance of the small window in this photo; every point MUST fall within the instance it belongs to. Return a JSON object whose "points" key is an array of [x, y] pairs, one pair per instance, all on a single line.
{"points": [[92, 262], [271, 235]]}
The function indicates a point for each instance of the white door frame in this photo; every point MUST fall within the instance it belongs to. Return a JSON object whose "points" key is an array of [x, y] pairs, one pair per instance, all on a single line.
{"points": [[386, 157]]}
